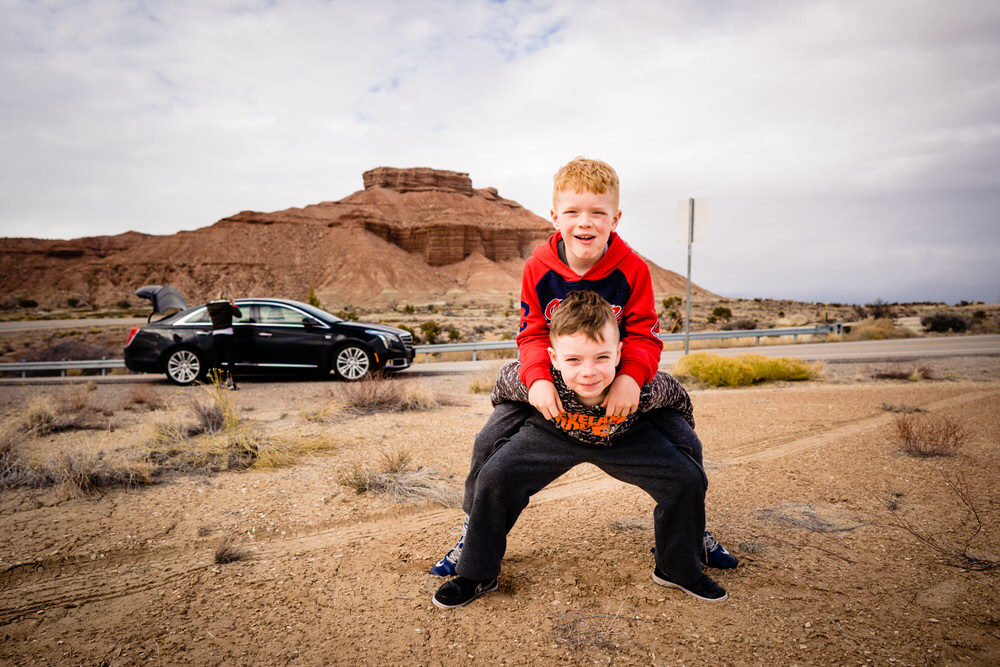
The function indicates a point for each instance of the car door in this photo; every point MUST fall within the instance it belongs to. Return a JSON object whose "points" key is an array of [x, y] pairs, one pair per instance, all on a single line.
{"points": [[284, 341], [243, 340]]}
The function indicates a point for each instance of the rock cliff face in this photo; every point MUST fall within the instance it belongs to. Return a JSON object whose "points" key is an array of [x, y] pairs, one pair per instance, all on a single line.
{"points": [[411, 236]]}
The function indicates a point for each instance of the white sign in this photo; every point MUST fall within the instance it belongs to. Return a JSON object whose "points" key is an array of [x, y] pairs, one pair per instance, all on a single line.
{"points": [[684, 220]]}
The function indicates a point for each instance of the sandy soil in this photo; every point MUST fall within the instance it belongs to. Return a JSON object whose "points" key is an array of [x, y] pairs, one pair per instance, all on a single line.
{"points": [[800, 477]]}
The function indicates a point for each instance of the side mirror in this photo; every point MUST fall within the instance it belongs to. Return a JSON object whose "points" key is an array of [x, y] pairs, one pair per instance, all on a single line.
{"points": [[310, 322]]}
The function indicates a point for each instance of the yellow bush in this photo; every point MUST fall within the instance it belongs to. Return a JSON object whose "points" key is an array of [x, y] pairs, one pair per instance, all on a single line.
{"points": [[714, 369], [742, 370]]}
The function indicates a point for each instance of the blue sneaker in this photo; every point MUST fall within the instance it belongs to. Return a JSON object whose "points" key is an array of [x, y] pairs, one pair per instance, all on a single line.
{"points": [[715, 555], [446, 566]]}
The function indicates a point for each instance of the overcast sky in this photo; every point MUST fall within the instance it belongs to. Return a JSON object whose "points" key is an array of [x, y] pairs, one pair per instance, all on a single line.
{"points": [[848, 151]]}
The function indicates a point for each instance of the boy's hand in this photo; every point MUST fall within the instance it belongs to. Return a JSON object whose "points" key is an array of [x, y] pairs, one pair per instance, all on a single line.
{"points": [[623, 396], [543, 396]]}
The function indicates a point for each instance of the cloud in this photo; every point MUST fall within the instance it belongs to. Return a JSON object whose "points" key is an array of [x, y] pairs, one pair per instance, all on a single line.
{"points": [[825, 134]]}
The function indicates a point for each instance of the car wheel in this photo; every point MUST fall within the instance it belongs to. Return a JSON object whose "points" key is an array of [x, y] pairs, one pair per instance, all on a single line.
{"points": [[352, 362], [184, 366]]}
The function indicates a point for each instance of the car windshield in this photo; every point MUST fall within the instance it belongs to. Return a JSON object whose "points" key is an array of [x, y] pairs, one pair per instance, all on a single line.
{"points": [[317, 313]]}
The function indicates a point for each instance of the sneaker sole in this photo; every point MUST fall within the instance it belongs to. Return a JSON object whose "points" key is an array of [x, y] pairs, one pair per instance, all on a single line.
{"points": [[442, 605], [670, 584]]}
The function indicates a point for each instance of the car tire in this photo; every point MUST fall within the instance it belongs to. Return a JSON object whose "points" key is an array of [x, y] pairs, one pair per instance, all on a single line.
{"points": [[352, 362], [184, 366]]}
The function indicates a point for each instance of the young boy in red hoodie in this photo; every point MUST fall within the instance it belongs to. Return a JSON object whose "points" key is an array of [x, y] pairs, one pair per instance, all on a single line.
{"points": [[585, 253]]}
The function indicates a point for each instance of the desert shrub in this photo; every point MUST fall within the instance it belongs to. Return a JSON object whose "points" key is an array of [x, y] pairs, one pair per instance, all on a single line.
{"points": [[72, 348], [877, 330], [739, 325], [722, 313], [454, 334], [312, 299], [27, 303], [966, 543], [880, 310], [944, 322], [431, 331], [719, 371], [928, 435]]}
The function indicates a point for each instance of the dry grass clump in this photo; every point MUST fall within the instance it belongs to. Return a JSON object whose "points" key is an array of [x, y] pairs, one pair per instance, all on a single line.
{"points": [[90, 473], [928, 435], [484, 381], [144, 396], [917, 374], [394, 480], [601, 631], [716, 370], [902, 408], [380, 394], [230, 551], [878, 329]]}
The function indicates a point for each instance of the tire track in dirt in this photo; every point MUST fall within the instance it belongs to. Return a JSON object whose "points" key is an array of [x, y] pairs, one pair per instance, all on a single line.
{"points": [[33, 587]]}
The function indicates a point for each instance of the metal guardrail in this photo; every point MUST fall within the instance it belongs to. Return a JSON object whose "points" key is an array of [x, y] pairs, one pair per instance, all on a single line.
{"points": [[756, 334], [104, 365], [23, 367]]}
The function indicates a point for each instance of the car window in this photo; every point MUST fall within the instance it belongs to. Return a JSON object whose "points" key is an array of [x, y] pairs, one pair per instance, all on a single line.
{"points": [[200, 317], [272, 314]]}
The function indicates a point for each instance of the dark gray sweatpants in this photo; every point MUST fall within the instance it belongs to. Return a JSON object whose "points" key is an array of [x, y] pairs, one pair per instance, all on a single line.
{"points": [[538, 453], [508, 417]]}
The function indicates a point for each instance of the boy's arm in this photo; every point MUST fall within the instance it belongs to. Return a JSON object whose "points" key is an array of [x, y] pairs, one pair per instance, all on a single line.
{"points": [[641, 344], [532, 351], [532, 336]]}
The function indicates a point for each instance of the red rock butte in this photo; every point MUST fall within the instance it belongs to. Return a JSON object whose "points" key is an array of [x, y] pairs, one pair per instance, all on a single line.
{"points": [[412, 236]]}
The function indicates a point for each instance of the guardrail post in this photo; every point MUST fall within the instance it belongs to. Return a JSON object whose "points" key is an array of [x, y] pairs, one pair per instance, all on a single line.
{"points": [[62, 373]]}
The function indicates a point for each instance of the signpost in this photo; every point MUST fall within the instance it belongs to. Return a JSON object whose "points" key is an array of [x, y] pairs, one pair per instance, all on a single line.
{"points": [[691, 215]]}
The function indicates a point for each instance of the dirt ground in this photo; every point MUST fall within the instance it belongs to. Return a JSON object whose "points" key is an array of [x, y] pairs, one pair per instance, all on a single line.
{"points": [[801, 480]]}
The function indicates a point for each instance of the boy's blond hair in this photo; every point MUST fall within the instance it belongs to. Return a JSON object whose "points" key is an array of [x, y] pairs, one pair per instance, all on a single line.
{"points": [[583, 175], [582, 312]]}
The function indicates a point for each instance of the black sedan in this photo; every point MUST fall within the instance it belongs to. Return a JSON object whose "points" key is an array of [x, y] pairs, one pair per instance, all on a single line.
{"points": [[273, 335]]}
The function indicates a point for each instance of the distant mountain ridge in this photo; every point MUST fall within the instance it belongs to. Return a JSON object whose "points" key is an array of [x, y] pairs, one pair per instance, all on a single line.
{"points": [[415, 235]]}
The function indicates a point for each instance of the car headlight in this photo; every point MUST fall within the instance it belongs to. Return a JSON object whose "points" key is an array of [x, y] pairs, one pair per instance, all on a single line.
{"points": [[387, 338]]}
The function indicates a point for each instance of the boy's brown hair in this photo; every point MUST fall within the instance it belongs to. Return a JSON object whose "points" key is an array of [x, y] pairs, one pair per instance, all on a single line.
{"points": [[582, 312], [583, 175]]}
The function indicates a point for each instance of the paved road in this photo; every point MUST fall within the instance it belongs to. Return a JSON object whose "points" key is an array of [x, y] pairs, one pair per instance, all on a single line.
{"points": [[900, 350]]}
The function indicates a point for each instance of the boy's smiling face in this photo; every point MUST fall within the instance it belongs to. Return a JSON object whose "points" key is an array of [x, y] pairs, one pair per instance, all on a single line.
{"points": [[585, 221], [587, 365]]}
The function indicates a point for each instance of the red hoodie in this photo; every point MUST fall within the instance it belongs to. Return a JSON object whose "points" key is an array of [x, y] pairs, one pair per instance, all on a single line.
{"points": [[620, 276]]}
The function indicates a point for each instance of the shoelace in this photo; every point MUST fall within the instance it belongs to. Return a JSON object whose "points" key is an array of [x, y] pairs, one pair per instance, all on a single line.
{"points": [[710, 542]]}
